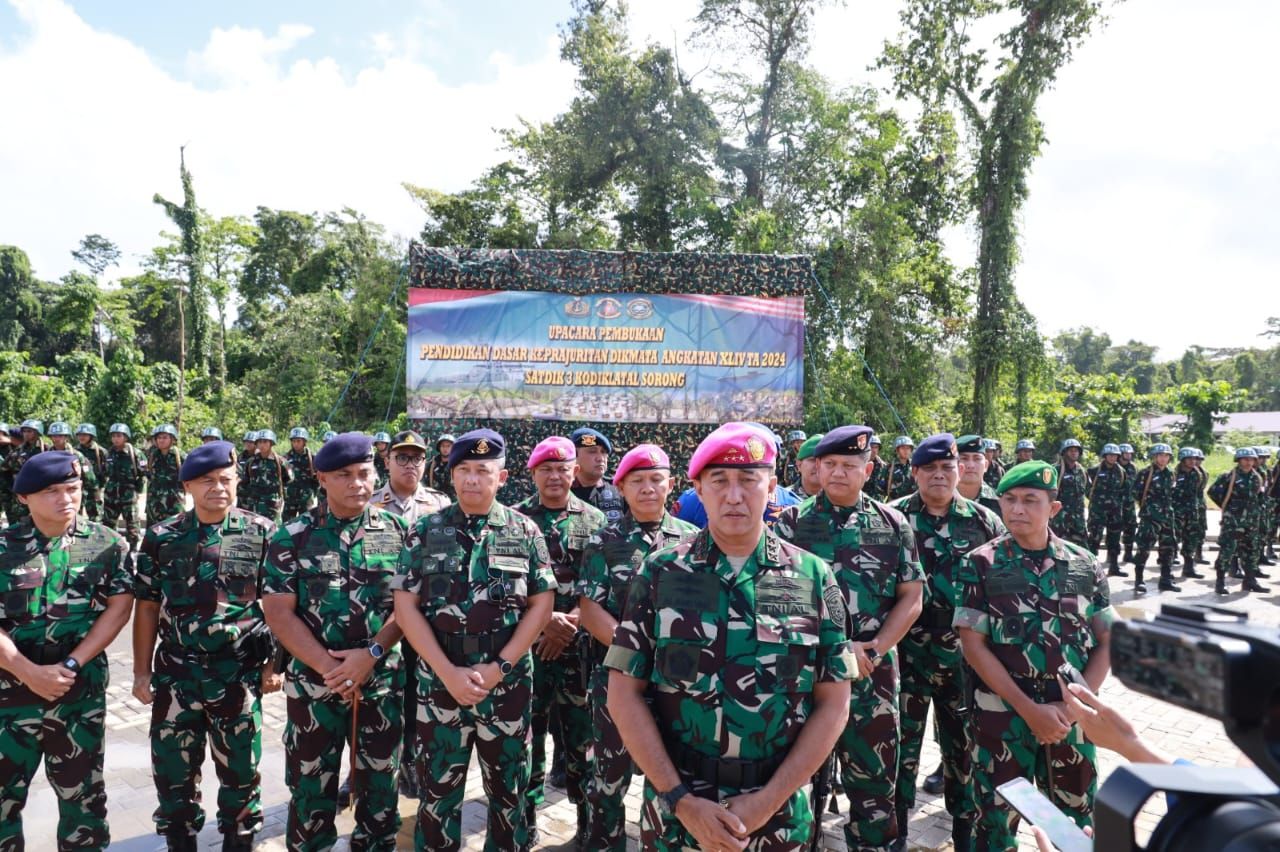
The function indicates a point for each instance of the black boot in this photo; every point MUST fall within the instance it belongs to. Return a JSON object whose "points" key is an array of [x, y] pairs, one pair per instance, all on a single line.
{"points": [[1128, 553], [1200, 560], [1251, 584], [934, 782], [344, 793], [180, 843], [904, 817], [584, 825], [1220, 587], [237, 843], [962, 835], [1113, 565], [1166, 576], [1236, 573], [1139, 565], [1189, 568], [556, 777]]}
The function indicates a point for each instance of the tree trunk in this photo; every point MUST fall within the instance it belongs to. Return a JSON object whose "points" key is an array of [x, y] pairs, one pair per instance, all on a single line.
{"points": [[182, 359]]}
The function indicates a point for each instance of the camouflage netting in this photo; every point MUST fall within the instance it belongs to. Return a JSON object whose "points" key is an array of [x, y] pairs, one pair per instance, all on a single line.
{"points": [[586, 272]]}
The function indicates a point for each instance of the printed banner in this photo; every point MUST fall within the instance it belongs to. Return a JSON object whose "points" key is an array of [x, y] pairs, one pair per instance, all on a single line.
{"points": [[618, 357]]}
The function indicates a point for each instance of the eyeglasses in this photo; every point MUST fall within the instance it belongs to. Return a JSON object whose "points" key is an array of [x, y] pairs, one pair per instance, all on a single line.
{"points": [[410, 459]]}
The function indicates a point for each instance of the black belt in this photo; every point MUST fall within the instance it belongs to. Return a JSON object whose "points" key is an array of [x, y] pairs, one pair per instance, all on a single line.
{"points": [[459, 646], [936, 618], [227, 653], [724, 772], [865, 636], [46, 653], [1044, 690]]}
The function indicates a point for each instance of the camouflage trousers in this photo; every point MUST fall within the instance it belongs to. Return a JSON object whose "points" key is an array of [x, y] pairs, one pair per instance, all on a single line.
{"points": [[68, 736], [218, 704], [296, 504], [1155, 532], [498, 729], [1189, 532], [933, 672], [1111, 520], [611, 771], [1004, 748], [559, 683], [91, 503], [788, 830], [117, 506], [1238, 538], [16, 510], [267, 506], [1130, 523], [317, 731], [868, 755], [1071, 525], [164, 503]]}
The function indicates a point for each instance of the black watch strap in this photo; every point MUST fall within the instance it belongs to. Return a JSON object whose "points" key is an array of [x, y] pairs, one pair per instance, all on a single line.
{"points": [[71, 664], [504, 666], [673, 796]]}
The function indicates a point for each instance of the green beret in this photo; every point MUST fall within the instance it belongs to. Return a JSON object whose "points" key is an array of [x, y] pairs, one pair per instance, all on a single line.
{"points": [[1030, 474], [807, 448], [969, 444]]}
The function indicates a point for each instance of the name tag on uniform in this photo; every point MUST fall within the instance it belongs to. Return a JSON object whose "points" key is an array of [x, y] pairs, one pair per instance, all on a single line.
{"points": [[781, 595], [1078, 579], [685, 590], [1005, 582]]}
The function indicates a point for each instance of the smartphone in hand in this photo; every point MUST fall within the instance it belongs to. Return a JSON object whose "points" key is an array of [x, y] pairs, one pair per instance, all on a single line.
{"points": [[1031, 805]]}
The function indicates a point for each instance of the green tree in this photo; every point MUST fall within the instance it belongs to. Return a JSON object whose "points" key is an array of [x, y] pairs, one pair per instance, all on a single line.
{"points": [[227, 243], [20, 307], [97, 254], [1204, 403], [1084, 349], [1246, 367], [996, 90]]}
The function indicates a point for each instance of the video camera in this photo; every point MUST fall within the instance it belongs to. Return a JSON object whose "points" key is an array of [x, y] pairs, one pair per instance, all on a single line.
{"points": [[1210, 660]]}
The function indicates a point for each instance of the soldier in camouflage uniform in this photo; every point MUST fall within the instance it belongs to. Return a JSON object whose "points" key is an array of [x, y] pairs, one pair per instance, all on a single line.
{"points": [[60, 437], [6, 478], [973, 466], [791, 465], [612, 558], [328, 600], [737, 638], [438, 470], [66, 589], [124, 478], [1154, 490], [268, 476], [473, 590], [247, 454], [1029, 602], [95, 458], [876, 485], [1109, 488], [872, 550], [809, 483], [1238, 492], [1024, 451], [209, 434], [164, 460], [897, 478], [300, 493], [946, 527], [1073, 484], [32, 442], [995, 468], [1130, 505], [1188, 505], [1265, 511], [1273, 494], [381, 441], [567, 523], [197, 587]]}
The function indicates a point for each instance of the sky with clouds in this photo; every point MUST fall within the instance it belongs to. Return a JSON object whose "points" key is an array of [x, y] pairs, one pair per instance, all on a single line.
{"points": [[1150, 211]]}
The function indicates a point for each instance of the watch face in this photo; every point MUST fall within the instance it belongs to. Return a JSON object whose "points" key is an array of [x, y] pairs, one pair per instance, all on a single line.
{"points": [[376, 651]]}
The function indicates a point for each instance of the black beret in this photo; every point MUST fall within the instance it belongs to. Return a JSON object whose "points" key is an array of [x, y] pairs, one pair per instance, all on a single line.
{"points": [[347, 448], [48, 468], [214, 455], [477, 445], [588, 437], [408, 438], [970, 444], [844, 441], [933, 448]]}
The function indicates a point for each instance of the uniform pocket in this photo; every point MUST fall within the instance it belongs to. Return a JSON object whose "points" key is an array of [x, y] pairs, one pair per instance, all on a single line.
{"points": [[786, 653]]}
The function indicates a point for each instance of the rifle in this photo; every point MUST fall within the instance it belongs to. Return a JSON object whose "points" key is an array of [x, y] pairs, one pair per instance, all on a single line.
{"points": [[821, 792]]}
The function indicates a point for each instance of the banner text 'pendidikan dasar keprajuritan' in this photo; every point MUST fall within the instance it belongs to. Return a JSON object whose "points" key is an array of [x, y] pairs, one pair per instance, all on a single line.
{"points": [[617, 357]]}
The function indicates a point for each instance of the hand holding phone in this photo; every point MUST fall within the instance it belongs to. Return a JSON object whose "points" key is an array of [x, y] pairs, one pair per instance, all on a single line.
{"points": [[1031, 805]]}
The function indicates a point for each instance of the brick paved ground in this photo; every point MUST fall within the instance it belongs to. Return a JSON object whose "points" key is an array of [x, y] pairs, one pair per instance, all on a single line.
{"points": [[131, 796]]}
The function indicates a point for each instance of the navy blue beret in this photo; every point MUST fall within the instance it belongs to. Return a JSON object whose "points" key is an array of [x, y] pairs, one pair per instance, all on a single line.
{"points": [[933, 448], [844, 441], [477, 445], [587, 437], [48, 468], [214, 455], [347, 448]]}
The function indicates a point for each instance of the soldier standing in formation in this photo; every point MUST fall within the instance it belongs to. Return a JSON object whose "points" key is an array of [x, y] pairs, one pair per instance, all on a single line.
{"points": [[897, 480], [67, 592], [247, 454], [1069, 523], [473, 590], [1029, 602], [1109, 488], [199, 574], [568, 523], [381, 441], [1273, 494], [405, 495], [877, 485], [1154, 490], [209, 434], [872, 550], [95, 463], [1265, 510], [1024, 451], [612, 559], [1238, 492], [125, 477], [1130, 503], [438, 472], [809, 483], [268, 475], [738, 639], [6, 476], [946, 527], [995, 468], [973, 464], [164, 461], [300, 492], [1188, 502], [791, 464], [328, 600], [31, 443]]}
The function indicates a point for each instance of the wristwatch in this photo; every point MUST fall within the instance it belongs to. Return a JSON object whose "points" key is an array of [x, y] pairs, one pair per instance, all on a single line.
{"points": [[376, 651], [504, 666], [667, 801], [72, 665]]}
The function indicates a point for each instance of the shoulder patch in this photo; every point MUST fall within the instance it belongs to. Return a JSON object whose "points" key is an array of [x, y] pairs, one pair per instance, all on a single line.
{"points": [[834, 599]]}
